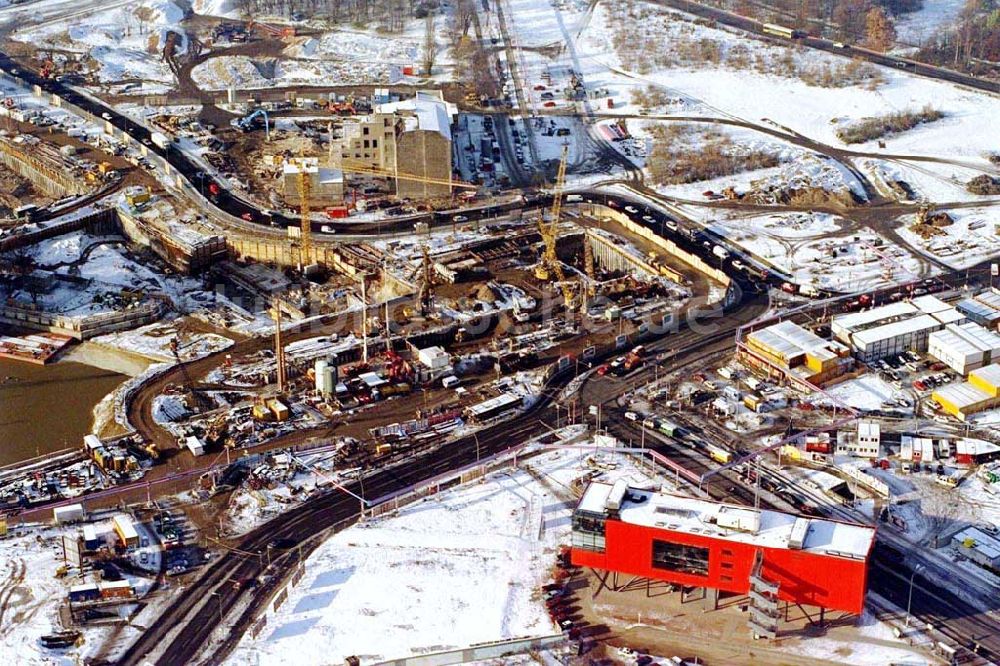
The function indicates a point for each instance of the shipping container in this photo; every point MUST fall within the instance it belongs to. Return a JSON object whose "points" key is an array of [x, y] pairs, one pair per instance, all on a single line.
{"points": [[718, 454], [119, 589], [84, 592], [68, 514]]}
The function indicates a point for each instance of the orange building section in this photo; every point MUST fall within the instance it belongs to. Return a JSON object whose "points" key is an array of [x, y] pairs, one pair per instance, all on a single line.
{"points": [[706, 544]]}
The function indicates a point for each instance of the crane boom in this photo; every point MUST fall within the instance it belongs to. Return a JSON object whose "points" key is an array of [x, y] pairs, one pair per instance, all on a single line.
{"points": [[384, 173], [550, 261]]}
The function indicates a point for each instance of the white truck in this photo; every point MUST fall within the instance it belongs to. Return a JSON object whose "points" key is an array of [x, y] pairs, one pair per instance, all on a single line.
{"points": [[809, 290], [160, 140], [720, 252]]}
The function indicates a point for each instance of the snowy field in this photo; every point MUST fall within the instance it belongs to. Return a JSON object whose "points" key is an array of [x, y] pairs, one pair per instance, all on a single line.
{"points": [[869, 393], [934, 17], [729, 91], [970, 240], [123, 43], [807, 248], [459, 568], [154, 342]]}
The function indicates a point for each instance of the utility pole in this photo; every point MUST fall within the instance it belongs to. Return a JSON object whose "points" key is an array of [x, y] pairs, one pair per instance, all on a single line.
{"points": [[279, 350], [364, 318]]}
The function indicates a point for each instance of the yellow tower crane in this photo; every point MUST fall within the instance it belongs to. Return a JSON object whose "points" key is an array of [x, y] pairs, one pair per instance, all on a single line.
{"points": [[550, 263], [588, 266]]}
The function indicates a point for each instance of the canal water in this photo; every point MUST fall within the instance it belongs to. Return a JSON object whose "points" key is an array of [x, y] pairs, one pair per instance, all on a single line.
{"points": [[47, 408]]}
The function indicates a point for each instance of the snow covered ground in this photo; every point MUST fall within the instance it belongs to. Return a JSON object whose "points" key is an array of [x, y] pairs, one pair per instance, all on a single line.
{"points": [[730, 88], [31, 594], [970, 240], [805, 247], [934, 17], [869, 393], [461, 567], [122, 43], [154, 341]]}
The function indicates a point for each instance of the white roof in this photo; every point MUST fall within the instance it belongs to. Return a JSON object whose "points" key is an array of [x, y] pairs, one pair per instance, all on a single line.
{"points": [[961, 395], [789, 339], [983, 542], [974, 334], [992, 299], [989, 374], [857, 320], [431, 352], [502, 400], [870, 429], [895, 329], [429, 113], [975, 447], [696, 516], [371, 379], [930, 304], [950, 316]]}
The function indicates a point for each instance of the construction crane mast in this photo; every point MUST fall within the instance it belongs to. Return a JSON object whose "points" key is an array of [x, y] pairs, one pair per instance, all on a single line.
{"points": [[426, 290], [550, 263], [279, 348], [588, 266]]}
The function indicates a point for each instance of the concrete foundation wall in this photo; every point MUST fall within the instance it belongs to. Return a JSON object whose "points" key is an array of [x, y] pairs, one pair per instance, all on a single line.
{"points": [[52, 180]]}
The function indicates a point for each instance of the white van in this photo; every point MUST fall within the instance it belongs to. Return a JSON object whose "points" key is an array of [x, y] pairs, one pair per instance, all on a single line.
{"points": [[449, 381]]}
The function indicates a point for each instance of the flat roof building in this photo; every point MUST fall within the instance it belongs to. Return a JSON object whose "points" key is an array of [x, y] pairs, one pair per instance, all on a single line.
{"points": [[978, 546], [980, 312], [964, 348], [721, 546], [799, 352], [125, 529], [963, 400], [885, 331], [987, 379]]}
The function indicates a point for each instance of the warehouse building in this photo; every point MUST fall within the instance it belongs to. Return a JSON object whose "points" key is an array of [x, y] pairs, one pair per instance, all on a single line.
{"points": [[887, 330], [797, 353], [934, 306], [980, 393], [722, 547], [964, 347], [983, 309]]}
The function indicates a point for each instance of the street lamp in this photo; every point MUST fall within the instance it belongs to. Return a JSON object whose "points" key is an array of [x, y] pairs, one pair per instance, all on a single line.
{"points": [[909, 597], [219, 597]]}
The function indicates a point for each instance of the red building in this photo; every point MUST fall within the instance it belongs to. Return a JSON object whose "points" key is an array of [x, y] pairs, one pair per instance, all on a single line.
{"points": [[707, 544]]}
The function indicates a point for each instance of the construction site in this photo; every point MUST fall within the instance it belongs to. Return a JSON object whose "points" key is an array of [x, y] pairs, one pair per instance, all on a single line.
{"points": [[590, 310]]}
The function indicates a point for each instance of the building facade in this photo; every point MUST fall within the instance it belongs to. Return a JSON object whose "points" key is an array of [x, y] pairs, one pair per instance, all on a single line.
{"points": [[717, 546]]}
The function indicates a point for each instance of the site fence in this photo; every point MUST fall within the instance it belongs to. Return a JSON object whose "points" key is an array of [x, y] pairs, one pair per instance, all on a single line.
{"points": [[480, 651]]}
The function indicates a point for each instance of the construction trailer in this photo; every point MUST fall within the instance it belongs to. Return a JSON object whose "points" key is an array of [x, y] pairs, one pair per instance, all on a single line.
{"points": [[721, 547], [71, 513], [125, 529]]}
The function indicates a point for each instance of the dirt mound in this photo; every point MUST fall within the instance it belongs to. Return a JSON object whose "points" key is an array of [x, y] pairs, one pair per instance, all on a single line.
{"points": [[984, 185]]}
